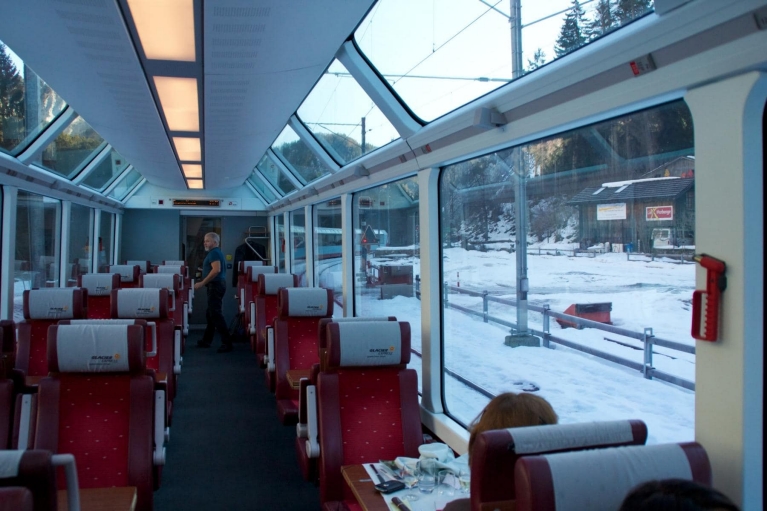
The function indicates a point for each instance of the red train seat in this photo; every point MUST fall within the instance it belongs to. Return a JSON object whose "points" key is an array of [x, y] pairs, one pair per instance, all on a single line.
{"points": [[187, 286], [144, 266], [128, 274], [242, 275], [99, 286], [250, 290], [599, 479], [178, 300], [496, 452], [35, 472], [367, 392], [264, 308]]}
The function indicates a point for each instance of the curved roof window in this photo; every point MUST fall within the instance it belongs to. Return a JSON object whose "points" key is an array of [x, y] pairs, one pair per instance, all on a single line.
{"points": [[106, 171], [297, 154], [343, 118], [125, 185], [274, 175], [261, 187], [72, 150], [27, 104]]}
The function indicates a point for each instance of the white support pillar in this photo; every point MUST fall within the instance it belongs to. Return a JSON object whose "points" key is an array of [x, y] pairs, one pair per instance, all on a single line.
{"points": [[347, 254], [309, 246], [117, 252], [288, 254], [729, 225], [66, 222], [7, 262], [431, 311], [94, 241]]}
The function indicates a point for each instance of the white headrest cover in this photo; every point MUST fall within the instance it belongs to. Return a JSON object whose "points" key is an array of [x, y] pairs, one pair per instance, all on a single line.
{"points": [[365, 343], [159, 280], [169, 269], [307, 301], [102, 322], [556, 437], [248, 264], [258, 270], [138, 303], [125, 271], [98, 284], [141, 265], [600, 478], [9, 463], [175, 263], [51, 304], [273, 282], [92, 348]]}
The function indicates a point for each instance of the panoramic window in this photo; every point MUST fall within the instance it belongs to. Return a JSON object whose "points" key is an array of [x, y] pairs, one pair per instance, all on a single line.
{"points": [[27, 104], [280, 230], [327, 249], [343, 117], [297, 155], [438, 56], [38, 242], [387, 264], [80, 229], [259, 185], [606, 233], [106, 171], [106, 241], [72, 150], [298, 245], [125, 185], [274, 175]]}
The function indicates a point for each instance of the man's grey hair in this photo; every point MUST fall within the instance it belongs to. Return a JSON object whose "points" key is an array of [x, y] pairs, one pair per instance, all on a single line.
{"points": [[215, 237]]}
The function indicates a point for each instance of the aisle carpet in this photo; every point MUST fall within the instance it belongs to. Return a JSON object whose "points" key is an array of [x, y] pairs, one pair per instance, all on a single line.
{"points": [[227, 450]]}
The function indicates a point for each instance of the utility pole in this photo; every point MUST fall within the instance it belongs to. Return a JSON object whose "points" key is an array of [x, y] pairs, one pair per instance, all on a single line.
{"points": [[515, 23], [363, 135]]}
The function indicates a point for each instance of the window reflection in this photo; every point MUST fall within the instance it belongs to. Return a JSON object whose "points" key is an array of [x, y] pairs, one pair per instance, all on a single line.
{"points": [[274, 175], [106, 171], [259, 185], [72, 150], [125, 185], [387, 264], [106, 241], [280, 230], [80, 229], [327, 248], [608, 234], [298, 245]]}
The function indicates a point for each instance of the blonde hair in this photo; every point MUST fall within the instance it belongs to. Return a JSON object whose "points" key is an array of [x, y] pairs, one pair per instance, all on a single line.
{"points": [[510, 410]]}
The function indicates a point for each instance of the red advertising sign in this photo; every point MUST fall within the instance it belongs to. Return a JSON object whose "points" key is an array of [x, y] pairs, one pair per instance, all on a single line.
{"points": [[659, 213]]}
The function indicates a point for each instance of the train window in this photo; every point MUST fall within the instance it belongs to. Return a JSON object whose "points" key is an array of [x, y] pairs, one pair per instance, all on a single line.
{"points": [[125, 185], [72, 150], [440, 55], [38, 240], [298, 156], [257, 182], [298, 245], [585, 254], [343, 117], [106, 240], [274, 175], [27, 104], [387, 257], [280, 230], [327, 247], [80, 229], [106, 171]]}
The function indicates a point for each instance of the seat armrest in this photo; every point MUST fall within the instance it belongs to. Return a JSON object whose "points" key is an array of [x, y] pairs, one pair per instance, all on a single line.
{"points": [[301, 428], [153, 327], [252, 325], [67, 461], [270, 349], [185, 318], [177, 351], [158, 456], [313, 440]]}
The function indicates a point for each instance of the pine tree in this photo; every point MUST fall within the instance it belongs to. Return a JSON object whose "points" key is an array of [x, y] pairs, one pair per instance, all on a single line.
{"points": [[628, 10], [603, 22], [572, 35], [11, 94], [539, 59]]}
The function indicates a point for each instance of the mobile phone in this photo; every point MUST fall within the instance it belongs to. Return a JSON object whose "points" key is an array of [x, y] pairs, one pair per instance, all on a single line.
{"points": [[390, 486]]}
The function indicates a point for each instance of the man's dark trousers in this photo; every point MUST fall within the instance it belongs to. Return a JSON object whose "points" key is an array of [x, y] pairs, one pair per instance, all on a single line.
{"points": [[214, 315]]}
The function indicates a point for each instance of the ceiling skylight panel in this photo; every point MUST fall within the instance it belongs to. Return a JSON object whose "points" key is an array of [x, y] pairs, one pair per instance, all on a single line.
{"points": [[257, 182], [72, 149], [107, 170], [125, 185], [296, 153], [343, 117], [272, 172]]}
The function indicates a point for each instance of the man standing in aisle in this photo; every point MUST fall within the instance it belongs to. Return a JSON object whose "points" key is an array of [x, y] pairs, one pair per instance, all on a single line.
{"points": [[214, 279]]}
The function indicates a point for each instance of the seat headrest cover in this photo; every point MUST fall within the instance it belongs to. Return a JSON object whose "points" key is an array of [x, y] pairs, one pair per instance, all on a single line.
{"points": [[610, 473], [369, 343], [556, 437], [103, 322], [322, 334], [167, 281], [127, 272], [170, 269], [244, 265], [255, 271], [9, 463], [99, 284], [51, 303], [305, 301], [269, 284], [142, 303], [174, 263], [91, 348], [143, 265]]}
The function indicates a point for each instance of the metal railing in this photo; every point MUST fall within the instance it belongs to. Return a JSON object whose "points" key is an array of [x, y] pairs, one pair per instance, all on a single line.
{"points": [[647, 337]]}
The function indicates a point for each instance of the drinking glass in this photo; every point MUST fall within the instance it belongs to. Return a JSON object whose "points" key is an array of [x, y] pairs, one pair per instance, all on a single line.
{"points": [[411, 481], [444, 483], [464, 479], [426, 481]]}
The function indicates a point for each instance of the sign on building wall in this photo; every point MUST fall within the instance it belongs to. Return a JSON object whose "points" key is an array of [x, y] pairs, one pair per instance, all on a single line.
{"points": [[655, 213], [611, 211]]}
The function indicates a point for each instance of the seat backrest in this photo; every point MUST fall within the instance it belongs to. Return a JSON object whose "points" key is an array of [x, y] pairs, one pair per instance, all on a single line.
{"points": [[174, 262], [600, 479], [32, 470], [128, 274], [98, 404], [16, 498], [496, 452], [267, 304], [367, 392], [249, 288], [322, 335], [99, 286], [143, 265], [42, 308], [172, 282], [7, 346]]}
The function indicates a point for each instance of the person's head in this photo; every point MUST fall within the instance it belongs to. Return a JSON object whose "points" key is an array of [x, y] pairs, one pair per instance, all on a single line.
{"points": [[510, 410], [211, 241], [676, 495]]}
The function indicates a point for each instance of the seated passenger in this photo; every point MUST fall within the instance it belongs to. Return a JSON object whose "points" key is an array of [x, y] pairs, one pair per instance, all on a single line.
{"points": [[675, 494], [507, 410]]}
